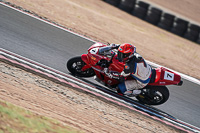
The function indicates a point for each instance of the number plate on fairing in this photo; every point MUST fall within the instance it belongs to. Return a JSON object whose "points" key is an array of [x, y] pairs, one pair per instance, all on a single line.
{"points": [[169, 76], [94, 50]]}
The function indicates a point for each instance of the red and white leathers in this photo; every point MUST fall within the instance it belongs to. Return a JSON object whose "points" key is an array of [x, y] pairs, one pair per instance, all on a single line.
{"points": [[135, 66], [139, 70]]}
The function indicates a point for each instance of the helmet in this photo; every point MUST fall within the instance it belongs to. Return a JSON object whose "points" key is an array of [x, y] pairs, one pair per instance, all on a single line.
{"points": [[125, 52]]}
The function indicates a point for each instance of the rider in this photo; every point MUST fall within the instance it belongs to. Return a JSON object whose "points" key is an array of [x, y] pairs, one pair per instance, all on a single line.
{"points": [[135, 66]]}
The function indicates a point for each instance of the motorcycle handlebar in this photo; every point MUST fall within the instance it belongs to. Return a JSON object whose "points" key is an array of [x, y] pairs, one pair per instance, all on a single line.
{"points": [[105, 50]]}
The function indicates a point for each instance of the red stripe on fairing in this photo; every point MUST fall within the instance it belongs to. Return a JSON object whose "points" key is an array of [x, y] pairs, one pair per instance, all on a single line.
{"points": [[86, 90]]}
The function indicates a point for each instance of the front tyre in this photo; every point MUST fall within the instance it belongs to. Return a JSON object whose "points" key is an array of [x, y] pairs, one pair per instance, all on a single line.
{"points": [[153, 95], [75, 64]]}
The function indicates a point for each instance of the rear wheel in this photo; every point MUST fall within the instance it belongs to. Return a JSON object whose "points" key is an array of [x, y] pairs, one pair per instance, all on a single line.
{"points": [[154, 95], [75, 64]]}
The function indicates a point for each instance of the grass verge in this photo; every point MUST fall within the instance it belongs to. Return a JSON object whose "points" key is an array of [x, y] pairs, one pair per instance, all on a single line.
{"points": [[14, 119]]}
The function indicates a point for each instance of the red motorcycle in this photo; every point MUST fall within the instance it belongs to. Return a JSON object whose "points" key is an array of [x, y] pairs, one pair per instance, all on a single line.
{"points": [[101, 56]]}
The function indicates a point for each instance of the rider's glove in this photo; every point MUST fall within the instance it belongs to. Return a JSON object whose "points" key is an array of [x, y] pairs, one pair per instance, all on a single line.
{"points": [[117, 76], [114, 46]]}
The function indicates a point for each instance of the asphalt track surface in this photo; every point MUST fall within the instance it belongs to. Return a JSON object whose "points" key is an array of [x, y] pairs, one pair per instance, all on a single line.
{"points": [[52, 46]]}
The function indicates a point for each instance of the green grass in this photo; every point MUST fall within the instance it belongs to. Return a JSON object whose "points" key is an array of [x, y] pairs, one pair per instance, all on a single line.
{"points": [[17, 120]]}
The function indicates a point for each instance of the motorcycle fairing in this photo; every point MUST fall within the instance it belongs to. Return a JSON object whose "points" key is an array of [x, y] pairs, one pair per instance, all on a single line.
{"points": [[85, 59], [164, 76]]}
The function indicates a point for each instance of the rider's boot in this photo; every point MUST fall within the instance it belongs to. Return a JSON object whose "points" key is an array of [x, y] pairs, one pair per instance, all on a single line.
{"points": [[132, 93], [136, 92], [119, 91]]}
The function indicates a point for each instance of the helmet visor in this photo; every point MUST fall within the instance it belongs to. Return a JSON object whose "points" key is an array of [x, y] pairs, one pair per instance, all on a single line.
{"points": [[122, 56]]}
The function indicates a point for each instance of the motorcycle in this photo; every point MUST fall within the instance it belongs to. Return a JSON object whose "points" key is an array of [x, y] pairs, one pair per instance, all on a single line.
{"points": [[102, 56]]}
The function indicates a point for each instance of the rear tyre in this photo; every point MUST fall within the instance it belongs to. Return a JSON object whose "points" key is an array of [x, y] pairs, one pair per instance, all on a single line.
{"points": [[75, 64], [154, 95]]}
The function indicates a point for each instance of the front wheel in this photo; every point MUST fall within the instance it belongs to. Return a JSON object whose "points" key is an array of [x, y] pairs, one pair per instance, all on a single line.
{"points": [[75, 64], [153, 95]]}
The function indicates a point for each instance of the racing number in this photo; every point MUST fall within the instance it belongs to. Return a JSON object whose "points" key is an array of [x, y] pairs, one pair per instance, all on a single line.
{"points": [[169, 76], [94, 50]]}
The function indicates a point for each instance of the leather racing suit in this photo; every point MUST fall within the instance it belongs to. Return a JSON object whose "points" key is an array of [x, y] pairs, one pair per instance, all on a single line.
{"points": [[139, 70]]}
